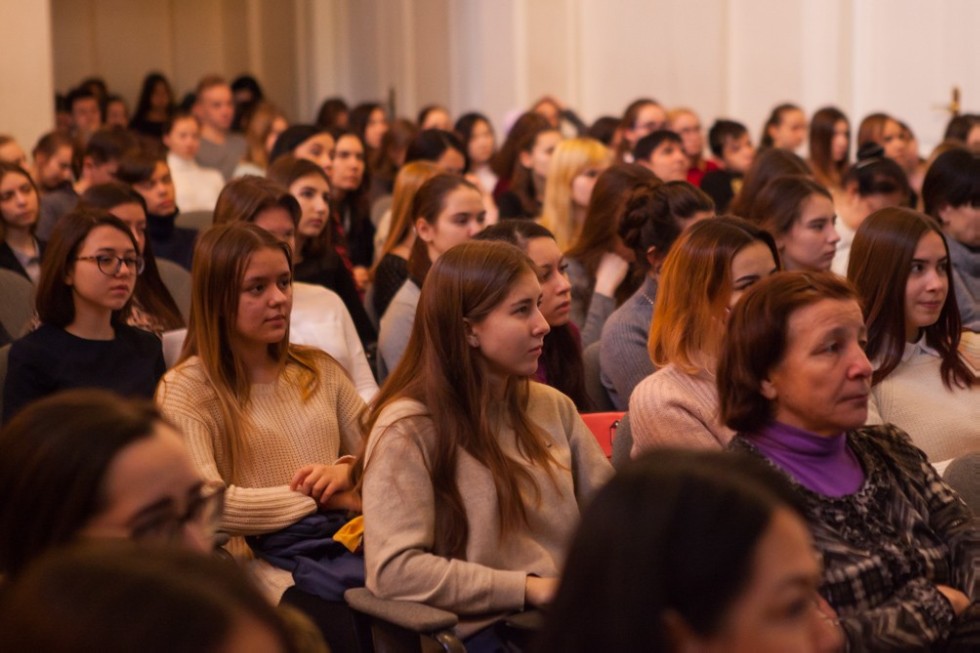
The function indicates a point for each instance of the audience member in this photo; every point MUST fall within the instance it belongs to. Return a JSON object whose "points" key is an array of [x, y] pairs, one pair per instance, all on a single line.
{"points": [[83, 297], [731, 145], [873, 183], [599, 264], [522, 166], [654, 216], [318, 318], [784, 129], [474, 475], [20, 250], [153, 307], [766, 166], [154, 106], [447, 210], [710, 548], [575, 165], [262, 126], [830, 146], [951, 195], [921, 384], [350, 184], [196, 188], [560, 364], [899, 547], [478, 138], [266, 419], [220, 147], [663, 152], [704, 275], [799, 214], [642, 117], [88, 464], [686, 124], [149, 175]]}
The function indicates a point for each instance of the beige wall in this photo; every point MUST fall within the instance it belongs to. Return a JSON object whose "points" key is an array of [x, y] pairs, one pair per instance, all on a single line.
{"points": [[722, 57], [26, 86]]}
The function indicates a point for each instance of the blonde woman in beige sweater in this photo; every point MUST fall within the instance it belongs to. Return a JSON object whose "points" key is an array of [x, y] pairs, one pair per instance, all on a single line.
{"points": [[269, 420], [706, 271]]}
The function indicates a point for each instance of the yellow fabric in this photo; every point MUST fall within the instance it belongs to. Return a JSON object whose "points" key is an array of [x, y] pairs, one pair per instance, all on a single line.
{"points": [[351, 534]]}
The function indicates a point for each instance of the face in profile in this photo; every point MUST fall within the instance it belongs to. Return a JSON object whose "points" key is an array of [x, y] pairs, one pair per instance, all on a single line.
{"points": [[552, 269], [511, 338], [538, 160], [821, 385], [790, 133], [811, 241]]}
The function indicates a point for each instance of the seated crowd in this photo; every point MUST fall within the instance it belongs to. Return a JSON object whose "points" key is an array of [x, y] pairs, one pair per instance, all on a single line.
{"points": [[352, 357]]}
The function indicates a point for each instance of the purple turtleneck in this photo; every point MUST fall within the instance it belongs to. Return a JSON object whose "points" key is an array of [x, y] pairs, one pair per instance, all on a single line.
{"points": [[825, 465]]}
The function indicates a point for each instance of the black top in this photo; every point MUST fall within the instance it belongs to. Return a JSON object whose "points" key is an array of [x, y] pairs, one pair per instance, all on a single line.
{"points": [[51, 359], [170, 241], [328, 270], [391, 273], [720, 186], [509, 207]]}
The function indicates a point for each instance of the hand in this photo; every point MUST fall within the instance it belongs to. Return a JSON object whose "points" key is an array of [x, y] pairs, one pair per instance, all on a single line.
{"points": [[612, 269], [362, 277], [957, 599], [539, 591], [321, 481]]}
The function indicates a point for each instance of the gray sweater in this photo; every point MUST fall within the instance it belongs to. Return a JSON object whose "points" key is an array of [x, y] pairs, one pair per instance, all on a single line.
{"points": [[623, 357], [966, 282], [590, 310], [396, 327]]}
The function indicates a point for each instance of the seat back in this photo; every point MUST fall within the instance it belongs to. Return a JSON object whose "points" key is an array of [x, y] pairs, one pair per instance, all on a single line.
{"points": [[16, 302], [199, 220], [178, 282], [603, 427], [593, 382]]}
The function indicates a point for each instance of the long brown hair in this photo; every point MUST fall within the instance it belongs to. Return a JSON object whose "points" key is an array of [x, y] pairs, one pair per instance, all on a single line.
{"points": [[767, 165], [407, 183], [221, 259], [600, 231], [880, 264], [822, 125], [449, 378]]}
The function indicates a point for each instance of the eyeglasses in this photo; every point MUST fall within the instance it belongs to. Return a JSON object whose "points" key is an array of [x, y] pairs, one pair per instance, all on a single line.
{"points": [[204, 511], [111, 265]]}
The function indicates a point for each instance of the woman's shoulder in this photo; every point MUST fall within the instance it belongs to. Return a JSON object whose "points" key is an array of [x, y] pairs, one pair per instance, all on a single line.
{"points": [[669, 384], [186, 374]]}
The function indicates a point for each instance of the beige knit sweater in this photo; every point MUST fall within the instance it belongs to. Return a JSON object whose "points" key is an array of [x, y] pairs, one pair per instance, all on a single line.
{"points": [[399, 512], [670, 408], [285, 434]]}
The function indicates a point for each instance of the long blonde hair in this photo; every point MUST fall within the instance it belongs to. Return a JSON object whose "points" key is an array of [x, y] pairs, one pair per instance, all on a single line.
{"points": [[221, 259], [570, 158]]}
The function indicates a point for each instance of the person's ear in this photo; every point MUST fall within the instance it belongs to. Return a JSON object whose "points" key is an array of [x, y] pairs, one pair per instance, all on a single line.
{"points": [[525, 159], [472, 338], [768, 389], [424, 230], [654, 258], [681, 638], [943, 213]]}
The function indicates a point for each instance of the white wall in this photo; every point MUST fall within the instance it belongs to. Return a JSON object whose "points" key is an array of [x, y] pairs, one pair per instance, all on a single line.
{"points": [[723, 57]]}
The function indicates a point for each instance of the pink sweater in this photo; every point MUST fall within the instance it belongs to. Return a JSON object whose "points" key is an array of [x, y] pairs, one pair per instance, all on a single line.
{"points": [[670, 408]]}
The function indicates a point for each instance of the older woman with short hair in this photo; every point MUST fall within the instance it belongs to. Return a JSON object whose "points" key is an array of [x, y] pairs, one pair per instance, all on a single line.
{"points": [[900, 548]]}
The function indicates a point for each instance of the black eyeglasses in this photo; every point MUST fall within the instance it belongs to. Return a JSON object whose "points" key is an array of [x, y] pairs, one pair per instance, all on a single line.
{"points": [[111, 265], [204, 511]]}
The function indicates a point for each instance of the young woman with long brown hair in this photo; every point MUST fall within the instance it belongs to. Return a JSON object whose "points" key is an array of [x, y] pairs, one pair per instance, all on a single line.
{"points": [[473, 474], [267, 419], [921, 384]]}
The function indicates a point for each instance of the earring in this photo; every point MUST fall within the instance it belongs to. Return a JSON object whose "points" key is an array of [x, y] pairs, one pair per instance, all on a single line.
{"points": [[473, 340]]}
